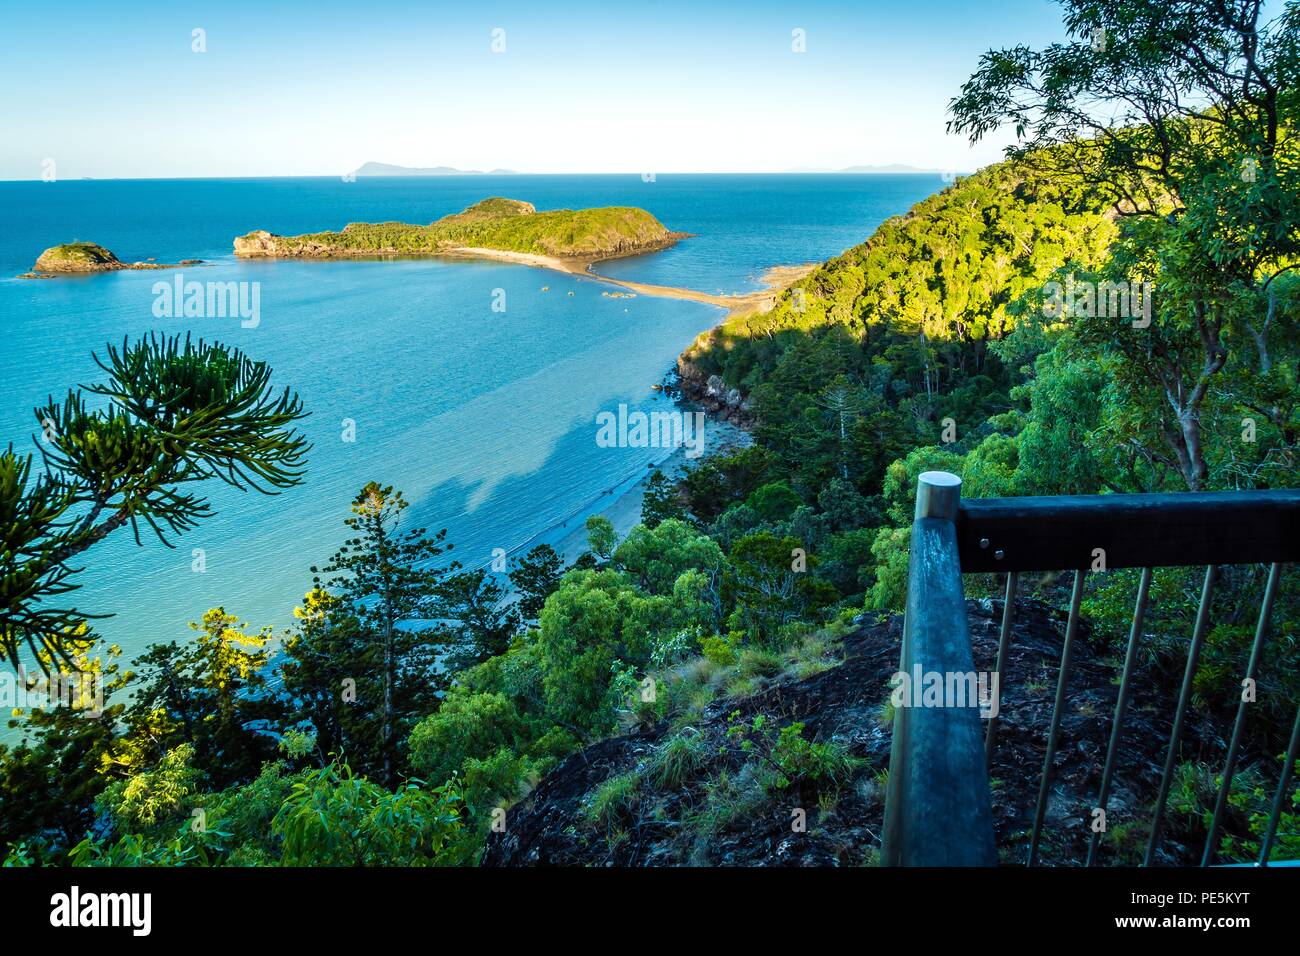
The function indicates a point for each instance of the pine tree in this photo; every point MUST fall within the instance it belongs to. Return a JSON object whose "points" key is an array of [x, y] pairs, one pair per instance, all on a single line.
{"points": [[384, 582], [535, 578]]}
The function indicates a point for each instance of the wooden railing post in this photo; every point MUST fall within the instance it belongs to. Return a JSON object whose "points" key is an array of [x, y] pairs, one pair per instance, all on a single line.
{"points": [[937, 806]]}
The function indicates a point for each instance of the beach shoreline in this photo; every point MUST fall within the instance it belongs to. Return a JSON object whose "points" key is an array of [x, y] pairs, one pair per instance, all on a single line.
{"points": [[623, 509], [622, 503], [776, 279]]}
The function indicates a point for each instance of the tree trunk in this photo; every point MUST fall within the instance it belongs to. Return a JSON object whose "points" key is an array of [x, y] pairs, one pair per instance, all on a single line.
{"points": [[844, 440], [1194, 470], [388, 703]]}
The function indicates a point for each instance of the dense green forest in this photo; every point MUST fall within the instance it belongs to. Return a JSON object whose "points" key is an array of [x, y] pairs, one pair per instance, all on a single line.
{"points": [[412, 705]]}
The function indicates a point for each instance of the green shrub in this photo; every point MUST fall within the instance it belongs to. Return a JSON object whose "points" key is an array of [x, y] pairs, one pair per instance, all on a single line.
{"points": [[244, 814], [676, 760], [719, 649], [135, 849], [498, 781], [152, 797], [466, 726], [335, 818], [756, 662], [608, 803], [787, 757], [803, 760]]}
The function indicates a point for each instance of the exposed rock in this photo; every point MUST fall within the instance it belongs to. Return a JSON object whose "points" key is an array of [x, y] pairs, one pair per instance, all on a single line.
{"points": [[844, 704], [713, 394], [263, 244]]}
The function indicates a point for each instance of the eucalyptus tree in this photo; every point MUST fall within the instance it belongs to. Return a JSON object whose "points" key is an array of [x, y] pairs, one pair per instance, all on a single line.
{"points": [[171, 413], [1180, 116]]}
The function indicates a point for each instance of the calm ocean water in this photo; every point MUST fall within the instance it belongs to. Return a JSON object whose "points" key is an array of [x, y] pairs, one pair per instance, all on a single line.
{"points": [[484, 419]]}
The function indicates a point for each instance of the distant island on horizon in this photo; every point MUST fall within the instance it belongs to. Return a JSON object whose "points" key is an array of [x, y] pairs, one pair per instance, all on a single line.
{"points": [[379, 170], [891, 168], [389, 169]]}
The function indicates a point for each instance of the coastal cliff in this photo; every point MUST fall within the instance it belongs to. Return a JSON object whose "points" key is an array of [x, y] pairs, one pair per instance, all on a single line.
{"points": [[714, 395], [508, 225]]}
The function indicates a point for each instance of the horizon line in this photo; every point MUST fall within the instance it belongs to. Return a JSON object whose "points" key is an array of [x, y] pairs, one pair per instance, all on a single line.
{"points": [[481, 175]]}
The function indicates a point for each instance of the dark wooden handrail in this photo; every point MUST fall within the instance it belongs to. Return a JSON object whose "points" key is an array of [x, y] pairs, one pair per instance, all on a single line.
{"points": [[1133, 531], [938, 810]]}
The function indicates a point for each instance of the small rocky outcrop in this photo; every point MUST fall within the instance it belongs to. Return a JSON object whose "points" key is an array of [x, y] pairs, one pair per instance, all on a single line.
{"points": [[713, 394], [77, 257], [259, 242], [72, 258]]}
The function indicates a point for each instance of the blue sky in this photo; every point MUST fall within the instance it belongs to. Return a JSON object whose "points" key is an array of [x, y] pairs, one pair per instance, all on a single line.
{"points": [[114, 90]]}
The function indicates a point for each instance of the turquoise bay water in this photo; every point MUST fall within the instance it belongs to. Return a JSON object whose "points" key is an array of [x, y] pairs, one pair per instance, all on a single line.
{"points": [[486, 420]]}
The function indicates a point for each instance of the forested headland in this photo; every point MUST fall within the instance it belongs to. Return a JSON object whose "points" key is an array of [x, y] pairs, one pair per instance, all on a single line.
{"points": [[508, 225]]}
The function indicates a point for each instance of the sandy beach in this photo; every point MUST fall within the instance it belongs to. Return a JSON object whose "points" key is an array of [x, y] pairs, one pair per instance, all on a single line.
{"points": [[622, 504], [777, 279]]}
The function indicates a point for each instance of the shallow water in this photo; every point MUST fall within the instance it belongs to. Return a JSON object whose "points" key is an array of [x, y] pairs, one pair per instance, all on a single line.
{"points": [[485, 419]]}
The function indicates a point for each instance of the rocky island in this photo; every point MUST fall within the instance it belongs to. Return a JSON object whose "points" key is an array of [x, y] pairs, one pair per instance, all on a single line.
{"points": [[492, 228], [510, 230], [80, 257]]}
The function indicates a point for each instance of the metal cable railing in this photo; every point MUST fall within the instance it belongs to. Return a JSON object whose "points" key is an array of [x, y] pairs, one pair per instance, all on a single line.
{"points": [[938, 809]]}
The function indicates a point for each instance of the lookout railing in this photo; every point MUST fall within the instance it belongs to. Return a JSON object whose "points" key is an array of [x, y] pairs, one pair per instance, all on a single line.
{"points": [[938, 810]]}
